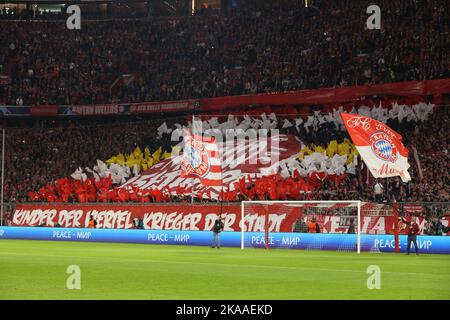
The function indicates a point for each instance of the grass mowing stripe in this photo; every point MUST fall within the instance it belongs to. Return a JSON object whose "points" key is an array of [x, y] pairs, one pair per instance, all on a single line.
{"points": [[233, 265]]}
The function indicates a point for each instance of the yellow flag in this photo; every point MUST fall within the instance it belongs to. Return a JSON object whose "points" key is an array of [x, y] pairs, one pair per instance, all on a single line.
{"points": [[137, 153], [121, 157], [147, 153], [306, 150], [332, 148], [319, 149], [157, 153], [343, 148], [149, 162], [111, 160]]}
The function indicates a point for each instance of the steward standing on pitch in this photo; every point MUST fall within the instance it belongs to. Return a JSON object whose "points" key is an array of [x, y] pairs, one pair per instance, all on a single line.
{"points": [[413, 230], [218, 228]]}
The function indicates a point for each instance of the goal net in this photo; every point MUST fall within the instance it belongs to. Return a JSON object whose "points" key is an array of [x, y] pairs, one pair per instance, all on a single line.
{"points": [[314, 225]]}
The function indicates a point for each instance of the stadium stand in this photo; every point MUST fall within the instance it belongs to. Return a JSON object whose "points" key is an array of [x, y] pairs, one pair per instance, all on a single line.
{"points": [[251, 50]]}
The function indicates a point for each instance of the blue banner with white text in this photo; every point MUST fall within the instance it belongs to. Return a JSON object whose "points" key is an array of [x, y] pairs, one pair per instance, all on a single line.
{"points": [[333, 242]]}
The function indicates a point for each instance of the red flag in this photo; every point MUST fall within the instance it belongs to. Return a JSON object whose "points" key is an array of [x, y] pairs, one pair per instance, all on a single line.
{"points": [[33, 196], [180, 191], [281, 190], [103, 195], [123, 195], [297, 174], [380, 147], [201, 158]]}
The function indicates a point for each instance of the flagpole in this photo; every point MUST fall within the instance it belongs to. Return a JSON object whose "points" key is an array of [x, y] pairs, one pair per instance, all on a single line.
{"points": [[3, 174], [220, 198]]}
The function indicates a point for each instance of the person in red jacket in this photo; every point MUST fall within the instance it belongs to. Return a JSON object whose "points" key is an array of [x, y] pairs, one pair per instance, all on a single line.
{"points": [[313, 226], [413, 230]]}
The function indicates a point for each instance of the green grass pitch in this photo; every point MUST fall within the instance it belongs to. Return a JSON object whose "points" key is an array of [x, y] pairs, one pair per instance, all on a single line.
{"points": [[37, 270]]}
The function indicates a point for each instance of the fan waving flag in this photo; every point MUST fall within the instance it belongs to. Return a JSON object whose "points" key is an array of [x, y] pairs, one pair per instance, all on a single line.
{"points": [[201, 158], [380, 147]]}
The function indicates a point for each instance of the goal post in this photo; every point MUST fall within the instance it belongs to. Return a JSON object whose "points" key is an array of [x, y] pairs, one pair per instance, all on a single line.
{"points": [[290, 224]]}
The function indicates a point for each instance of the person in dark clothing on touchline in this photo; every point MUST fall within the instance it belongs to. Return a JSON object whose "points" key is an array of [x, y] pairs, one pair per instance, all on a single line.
{"points": [[217, 229], [413, 230]]}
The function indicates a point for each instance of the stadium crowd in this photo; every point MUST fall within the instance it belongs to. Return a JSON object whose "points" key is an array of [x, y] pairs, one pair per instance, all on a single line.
{"points": [[53, 149], [251, 50]]}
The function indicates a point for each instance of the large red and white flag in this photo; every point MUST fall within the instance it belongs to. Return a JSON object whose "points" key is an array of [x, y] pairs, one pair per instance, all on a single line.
{"points": [[380, 147], [201, 158]]}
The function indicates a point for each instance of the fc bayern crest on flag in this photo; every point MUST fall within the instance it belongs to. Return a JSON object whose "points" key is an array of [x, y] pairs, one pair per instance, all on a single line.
{"points": [[195, 158], [201, 158], [383, 146]]}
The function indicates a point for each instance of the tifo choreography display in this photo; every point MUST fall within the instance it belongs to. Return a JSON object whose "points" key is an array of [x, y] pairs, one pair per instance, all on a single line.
{"points": [[310, 149]]}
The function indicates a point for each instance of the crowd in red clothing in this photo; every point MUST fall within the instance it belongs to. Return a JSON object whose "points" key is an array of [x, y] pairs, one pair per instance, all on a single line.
{"points": [[69, 190], [37, 156], [250, 50], [270, 187]]}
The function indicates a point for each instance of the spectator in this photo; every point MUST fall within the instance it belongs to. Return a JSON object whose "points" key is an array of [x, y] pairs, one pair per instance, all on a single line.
{"points": [[19, 101], [313, 226], [438, 227], [428, 228], [378, 191], [92, 222], [395, 190], [300, 226], [140, 224], [351, 227]]}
